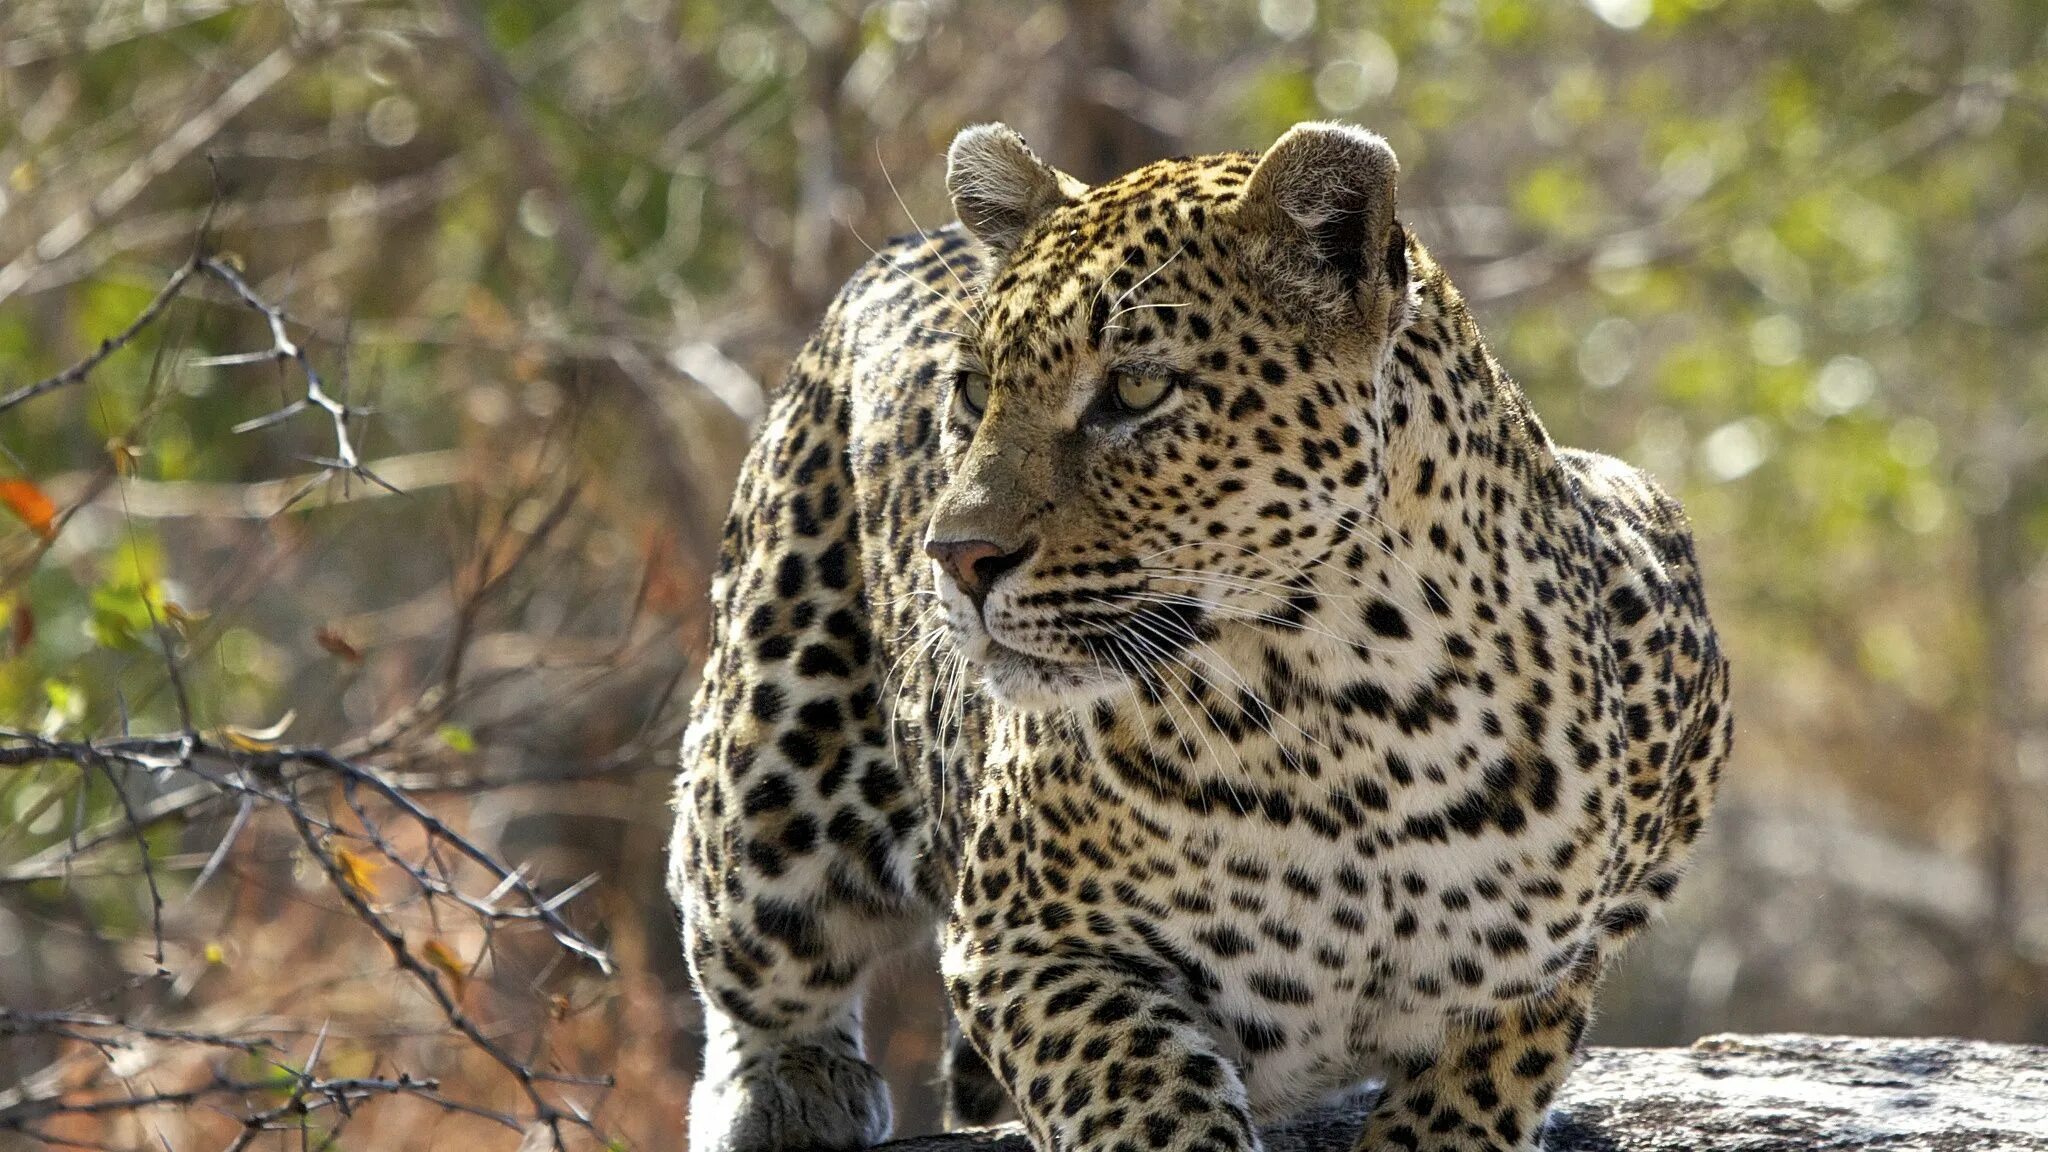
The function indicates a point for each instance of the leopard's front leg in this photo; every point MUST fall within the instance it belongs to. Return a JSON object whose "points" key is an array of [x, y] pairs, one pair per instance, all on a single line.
{"points": [[779, 947], [1487, 1089], [1084, 1026], [1097, 1055], [802, 852]]}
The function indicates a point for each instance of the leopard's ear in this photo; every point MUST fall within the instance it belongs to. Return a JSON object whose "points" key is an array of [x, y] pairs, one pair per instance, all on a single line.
{"points": [[1324, 195], [1000, 187]]}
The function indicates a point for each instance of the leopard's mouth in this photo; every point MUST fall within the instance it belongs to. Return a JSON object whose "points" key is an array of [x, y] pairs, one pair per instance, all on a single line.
{"points": [[1111, 647], [1032, 682], [1109, 644]]}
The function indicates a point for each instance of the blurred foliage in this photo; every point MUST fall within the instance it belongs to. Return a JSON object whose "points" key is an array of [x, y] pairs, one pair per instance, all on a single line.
{"points": [[1792, 255]]}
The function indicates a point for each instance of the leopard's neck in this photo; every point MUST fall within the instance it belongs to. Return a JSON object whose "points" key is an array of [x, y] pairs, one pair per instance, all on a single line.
{"points": [[1454, 416]]}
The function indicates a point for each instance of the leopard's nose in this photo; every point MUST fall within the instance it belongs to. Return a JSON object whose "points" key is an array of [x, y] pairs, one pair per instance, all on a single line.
{"points": [[975, 565]]}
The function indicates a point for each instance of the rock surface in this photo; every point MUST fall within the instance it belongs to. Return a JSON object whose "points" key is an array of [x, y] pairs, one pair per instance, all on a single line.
{"points": [[1781, 1093]]}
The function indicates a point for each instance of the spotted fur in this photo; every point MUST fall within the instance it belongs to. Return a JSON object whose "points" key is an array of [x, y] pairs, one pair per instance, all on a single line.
{"points": [[1320, 721]]}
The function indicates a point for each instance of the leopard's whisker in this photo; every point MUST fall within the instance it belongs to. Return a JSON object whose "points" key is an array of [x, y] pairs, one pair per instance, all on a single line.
{"points": [[921, 234], [1287, 755], [1182, 691], [1394, 593], [1229, 672], [900, 270], [1162, 596], [902, 670], [1138, 308], [1142, 280], [1306, 623], [1101, 286], [1428, 613]]}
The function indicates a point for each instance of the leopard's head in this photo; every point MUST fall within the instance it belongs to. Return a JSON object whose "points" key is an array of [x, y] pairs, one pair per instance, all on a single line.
{"points": [[1165, 404]]}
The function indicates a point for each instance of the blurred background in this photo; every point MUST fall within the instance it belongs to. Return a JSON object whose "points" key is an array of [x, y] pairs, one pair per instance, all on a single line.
{"points": [[1791, 255]]}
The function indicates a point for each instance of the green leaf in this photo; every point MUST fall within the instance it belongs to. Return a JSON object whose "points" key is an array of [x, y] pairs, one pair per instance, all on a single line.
{"points": [[457, 738], [1556, 199], [121, 615], [67, 707]]}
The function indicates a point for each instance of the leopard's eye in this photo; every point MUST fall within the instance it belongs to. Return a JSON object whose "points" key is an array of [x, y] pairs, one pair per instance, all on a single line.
{"points": [[972, 388], [1139, 392]]}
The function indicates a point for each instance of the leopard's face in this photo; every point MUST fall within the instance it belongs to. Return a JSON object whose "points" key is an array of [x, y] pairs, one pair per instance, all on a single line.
{"points": [[1161, 423]]}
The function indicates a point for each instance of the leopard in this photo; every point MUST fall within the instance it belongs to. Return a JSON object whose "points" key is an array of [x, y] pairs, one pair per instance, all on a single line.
{"points": [[1154, 599]]}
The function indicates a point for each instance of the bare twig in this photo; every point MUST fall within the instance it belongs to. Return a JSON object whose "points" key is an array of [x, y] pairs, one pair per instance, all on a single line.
{"points": [[546, 1112], [172, 289], [156, 896], [21, 1109], [112, 1031], [229, 768], [350, 802], [192, 132], [284, 348], [290, 764], [261, 499]]}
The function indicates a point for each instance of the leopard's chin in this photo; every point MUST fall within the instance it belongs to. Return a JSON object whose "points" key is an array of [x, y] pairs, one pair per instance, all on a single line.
{"points": [[1031, 683]]}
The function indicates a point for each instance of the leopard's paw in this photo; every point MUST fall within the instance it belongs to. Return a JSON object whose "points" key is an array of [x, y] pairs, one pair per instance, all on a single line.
{"points": [[973, 1095], [800, 1097]]}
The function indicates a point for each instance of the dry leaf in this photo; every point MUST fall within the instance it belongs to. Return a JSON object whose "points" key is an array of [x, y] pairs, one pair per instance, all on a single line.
{"points": [[443, 957], [22, 628], [257, 739], [124, 455], [29, 504], [530, 363], [242, 741], [182, 617], [488, 317], [668, 591], [337, 645], [359, 874]]}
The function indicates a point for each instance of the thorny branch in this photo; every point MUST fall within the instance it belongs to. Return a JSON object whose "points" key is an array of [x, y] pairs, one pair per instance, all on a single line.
{"points": [[296, 1087], [379, 818], [279, 775], [283, 349], [288, 766], [172, 289]]}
